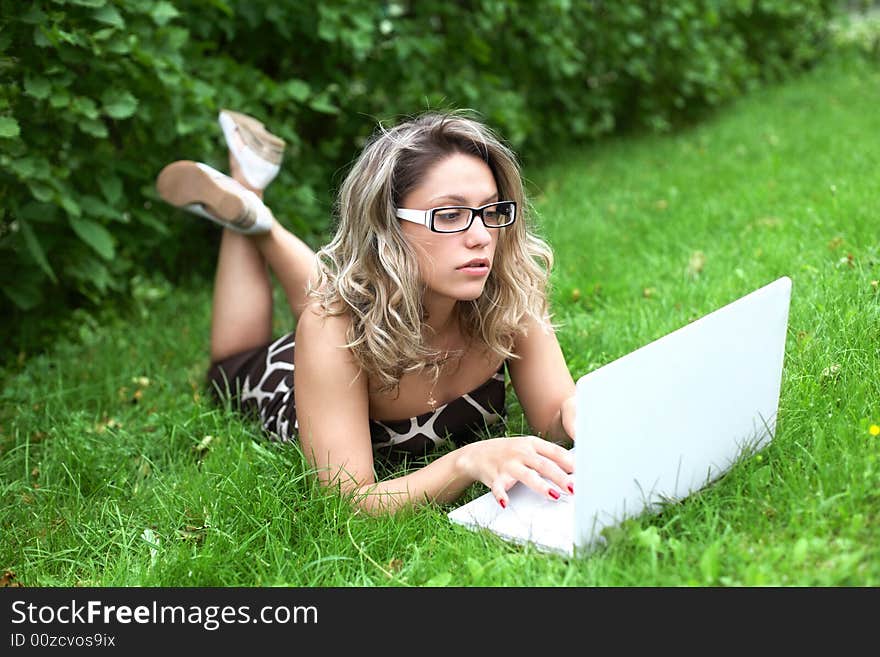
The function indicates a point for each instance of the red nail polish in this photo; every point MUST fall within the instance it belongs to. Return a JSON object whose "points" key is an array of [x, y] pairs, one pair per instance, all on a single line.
{"points": [[503, 504], [554, 494], [571, 488]]}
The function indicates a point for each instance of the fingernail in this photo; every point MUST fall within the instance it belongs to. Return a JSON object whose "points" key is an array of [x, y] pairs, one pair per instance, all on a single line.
{"points": [[503, 504], [571, 488], [554, 494]]}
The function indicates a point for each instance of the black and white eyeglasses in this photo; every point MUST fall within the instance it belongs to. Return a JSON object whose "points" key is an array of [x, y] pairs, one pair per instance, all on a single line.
{"points": [[457, 218]]}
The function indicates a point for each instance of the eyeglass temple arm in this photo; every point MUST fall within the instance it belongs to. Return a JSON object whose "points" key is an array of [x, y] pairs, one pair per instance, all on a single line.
{"points": [[416, 216]]}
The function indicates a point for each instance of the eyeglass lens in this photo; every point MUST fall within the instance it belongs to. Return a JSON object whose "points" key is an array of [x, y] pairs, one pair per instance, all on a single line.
{"points": [[455, 219]]}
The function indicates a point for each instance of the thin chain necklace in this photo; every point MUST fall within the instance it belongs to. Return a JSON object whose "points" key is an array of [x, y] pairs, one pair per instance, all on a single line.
{"points": [[431, 401]]}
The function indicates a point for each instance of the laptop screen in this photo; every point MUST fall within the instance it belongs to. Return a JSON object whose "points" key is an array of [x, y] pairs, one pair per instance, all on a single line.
{"points": [[668, 418]]}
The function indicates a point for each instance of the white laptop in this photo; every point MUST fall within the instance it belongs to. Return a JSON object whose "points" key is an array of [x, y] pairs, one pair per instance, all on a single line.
{"points": [[658, 424]]}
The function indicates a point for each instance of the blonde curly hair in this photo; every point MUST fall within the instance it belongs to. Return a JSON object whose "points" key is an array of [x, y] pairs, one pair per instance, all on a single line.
{"points": [[370, 271]]}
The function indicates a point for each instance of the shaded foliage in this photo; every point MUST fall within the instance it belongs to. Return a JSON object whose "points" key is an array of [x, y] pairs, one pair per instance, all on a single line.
{"points": [[98, 95]]}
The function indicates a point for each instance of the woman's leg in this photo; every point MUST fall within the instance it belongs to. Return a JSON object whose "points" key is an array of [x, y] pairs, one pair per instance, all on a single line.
{"points": [[241, 317], [242, 307], [292, 262]]}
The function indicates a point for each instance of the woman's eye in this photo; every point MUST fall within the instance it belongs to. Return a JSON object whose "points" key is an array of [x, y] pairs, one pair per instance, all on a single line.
{"points": [[448, 216]]}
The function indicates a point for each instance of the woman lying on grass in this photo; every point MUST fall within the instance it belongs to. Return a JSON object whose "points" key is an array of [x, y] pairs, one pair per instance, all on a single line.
{"points": [[430, 287]]}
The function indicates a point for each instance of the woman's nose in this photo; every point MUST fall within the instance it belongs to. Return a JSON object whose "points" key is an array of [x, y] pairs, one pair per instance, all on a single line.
{"points": [[478, 233]]}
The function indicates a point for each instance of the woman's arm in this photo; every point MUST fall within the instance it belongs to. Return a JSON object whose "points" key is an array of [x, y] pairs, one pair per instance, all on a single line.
{"points": [[497, 462], [333, 415], [543, 384]]}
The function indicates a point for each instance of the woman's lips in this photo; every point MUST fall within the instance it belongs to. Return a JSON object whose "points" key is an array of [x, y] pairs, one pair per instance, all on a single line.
{"points": [[475, 270], [476, 262]]}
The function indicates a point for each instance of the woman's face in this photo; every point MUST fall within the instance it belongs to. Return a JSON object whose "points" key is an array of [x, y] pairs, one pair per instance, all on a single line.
{"points": [[443, 258]]}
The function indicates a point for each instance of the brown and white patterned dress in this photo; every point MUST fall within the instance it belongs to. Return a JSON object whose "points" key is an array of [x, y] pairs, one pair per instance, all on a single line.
{"points": [[261, 380]]}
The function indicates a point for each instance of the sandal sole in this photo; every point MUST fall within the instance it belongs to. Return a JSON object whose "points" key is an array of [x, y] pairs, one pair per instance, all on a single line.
{"points": [[183, 183]]}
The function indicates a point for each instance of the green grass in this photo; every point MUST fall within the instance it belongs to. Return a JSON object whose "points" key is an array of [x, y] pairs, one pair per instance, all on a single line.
{"points": [[107, 435]]}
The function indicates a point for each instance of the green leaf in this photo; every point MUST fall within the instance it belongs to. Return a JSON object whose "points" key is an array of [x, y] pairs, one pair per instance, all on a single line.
{"points": [[89, 3], [327, 31], [40, 38], [299, 90], [110, 16], [118, 103], [33, 16], [40, 191], [86, 107], [174, 38], [25, 294], [635, 40], [106, 33], [74, 38], [95, 207], [149, 220], [36, 249], [111, 186], [163, 12], [94, 127], [95, 235], [441, 579], [90, 274], [23, 167], [28, 167], [60, 98], [323, 105], [9, 127], [39, 212], [120, 44], [38, 87], [71, 207]]}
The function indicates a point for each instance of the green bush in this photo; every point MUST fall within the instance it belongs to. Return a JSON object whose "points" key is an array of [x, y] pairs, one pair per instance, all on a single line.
{"points": [[98, 95]]}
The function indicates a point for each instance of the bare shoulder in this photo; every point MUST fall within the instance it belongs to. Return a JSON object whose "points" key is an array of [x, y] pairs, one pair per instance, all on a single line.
{"points": [[316, 330], [321, 354], [531, 332], [536, 347], [540, 375]]}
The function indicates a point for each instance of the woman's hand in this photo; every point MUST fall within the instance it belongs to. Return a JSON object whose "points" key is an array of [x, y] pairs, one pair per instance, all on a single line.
{"points": [[501, 462]]}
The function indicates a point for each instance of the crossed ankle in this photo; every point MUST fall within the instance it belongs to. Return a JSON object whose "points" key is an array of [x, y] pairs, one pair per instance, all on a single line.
{"points": [[254, 151]]}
